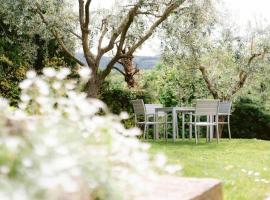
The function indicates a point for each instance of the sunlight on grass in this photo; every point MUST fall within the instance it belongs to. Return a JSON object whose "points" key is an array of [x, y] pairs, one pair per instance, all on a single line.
{"points": [[242, 165]]}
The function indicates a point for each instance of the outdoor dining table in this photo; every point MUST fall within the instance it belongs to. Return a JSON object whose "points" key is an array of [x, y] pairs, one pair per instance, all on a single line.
{"points": [[174, 111]]}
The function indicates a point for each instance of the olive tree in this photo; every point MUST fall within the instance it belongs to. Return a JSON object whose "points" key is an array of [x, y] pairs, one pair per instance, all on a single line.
{"points": [[225, 56], [117, 31]]}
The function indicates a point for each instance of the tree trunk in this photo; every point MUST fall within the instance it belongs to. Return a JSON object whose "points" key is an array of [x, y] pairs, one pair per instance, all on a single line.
{"points": [[93, 87], [221, 126], [130, 69]]}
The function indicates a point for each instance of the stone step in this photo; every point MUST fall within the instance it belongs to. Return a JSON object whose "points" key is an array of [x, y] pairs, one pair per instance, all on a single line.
{"points": [[180, 188]]}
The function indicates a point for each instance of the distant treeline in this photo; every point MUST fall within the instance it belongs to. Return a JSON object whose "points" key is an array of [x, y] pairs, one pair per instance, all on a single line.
{"points": [[143, 62]]}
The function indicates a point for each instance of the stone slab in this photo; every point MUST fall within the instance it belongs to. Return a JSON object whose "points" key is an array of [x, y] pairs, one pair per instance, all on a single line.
{"points": [[180, 188]]}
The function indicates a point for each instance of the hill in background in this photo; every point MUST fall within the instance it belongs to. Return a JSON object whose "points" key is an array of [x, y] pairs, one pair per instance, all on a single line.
{"points": [[143, 62]]}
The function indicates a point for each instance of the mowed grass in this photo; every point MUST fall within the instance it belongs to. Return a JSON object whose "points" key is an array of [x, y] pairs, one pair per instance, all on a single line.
{"points": [[242, 165]]}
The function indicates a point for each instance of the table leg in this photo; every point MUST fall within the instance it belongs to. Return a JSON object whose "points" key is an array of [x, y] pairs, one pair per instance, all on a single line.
{"points": [[183, 125], [190, 126], [156, 126], [211, 128], [174, 124]]}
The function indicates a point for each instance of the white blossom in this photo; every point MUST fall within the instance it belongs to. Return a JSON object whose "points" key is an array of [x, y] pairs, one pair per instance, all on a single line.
{"points": [[25, 84], [31, 74], [49, 72], [63, 73], [4, 169], [64, 146], [124, 115], [84, 73]]}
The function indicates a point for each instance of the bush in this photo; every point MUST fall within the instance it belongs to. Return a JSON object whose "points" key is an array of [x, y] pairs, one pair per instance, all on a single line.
{"points": [[250, 120], [57, 146]]}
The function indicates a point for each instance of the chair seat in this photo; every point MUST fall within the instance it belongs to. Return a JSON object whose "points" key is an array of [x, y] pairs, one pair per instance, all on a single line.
{"points": [[151, 122], [224, 114], [204, 123]]}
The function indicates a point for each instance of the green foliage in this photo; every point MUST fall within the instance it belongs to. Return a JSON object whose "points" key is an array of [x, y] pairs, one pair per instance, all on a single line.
{"points": [[172, 85], [10, 77], [250, 120], [22, 49], [118, 99]]}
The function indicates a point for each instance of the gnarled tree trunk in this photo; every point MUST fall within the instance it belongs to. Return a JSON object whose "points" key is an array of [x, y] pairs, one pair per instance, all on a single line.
{"points": [[93, 87], [130, 70]]}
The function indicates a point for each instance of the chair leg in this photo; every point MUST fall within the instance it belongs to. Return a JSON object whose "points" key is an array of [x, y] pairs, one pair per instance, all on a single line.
{"points": [[147, 132], [217, 132], [190, 126], [164, 126], [183, 125], [196, 136], [177, 128], [144, 131], [229, 128], [207, 134]]}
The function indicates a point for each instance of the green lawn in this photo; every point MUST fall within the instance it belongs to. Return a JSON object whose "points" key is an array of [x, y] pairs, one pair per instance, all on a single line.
{"points": [[242, 165]]}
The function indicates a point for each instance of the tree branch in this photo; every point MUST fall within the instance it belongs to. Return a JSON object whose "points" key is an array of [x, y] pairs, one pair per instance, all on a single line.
{"points": [[104, 30], [123, 31], [170, 8], [213, 90], [74, 33], [84, 23], [87, 15], [56, 35], [243, 75], [119, 70], [124, 25]]}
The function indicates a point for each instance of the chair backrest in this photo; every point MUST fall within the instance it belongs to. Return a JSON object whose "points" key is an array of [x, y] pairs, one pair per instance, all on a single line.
{"points": [[150, 108], [225, 107], [207, 107], [138, 107]]}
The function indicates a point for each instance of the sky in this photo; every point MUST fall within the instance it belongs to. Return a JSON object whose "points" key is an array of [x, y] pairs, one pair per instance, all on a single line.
{"points": [[242, 12]]}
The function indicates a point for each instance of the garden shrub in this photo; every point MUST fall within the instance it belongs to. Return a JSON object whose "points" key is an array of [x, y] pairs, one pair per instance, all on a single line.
{"points": [[249, 120], [10, 76], [56, 145]]}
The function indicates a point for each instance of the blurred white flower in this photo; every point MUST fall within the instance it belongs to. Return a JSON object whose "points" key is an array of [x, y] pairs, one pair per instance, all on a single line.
{"points": [[25, 97], [43, 87], [42, 100], [70, 86], [124, 115], [4, 169], [56, 85], [171, 169], [68, 146], [3, 103], [160, 160], [84, 73], [31, 74], [12, 143], [256, 174], [27, 162], [49, 72], [40, 150], [63, 73], [25, 84]]}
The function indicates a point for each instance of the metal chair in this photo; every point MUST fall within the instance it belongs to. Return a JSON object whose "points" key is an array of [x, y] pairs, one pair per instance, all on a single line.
{"points": [[208, 108], [145, 112], [225, 111], [151, 111]]}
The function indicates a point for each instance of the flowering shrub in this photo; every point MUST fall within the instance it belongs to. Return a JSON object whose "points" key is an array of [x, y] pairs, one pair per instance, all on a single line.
{"points": [[57, 146]]}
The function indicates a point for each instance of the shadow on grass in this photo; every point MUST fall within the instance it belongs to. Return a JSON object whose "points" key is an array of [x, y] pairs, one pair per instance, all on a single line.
{"points": [[190, 143]]}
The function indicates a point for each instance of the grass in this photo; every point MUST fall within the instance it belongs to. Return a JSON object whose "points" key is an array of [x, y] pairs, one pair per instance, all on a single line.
{"points": [[242, 165]]}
